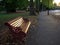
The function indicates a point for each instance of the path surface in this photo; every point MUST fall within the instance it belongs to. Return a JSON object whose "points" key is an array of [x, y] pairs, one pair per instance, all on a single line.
{"points": [[47, 32]]}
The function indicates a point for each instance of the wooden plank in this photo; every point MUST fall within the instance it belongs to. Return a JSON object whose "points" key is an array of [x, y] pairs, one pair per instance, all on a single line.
{"points": [[25, 26]]}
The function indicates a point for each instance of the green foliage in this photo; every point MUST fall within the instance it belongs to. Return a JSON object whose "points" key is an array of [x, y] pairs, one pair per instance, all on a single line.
{"points": [[22, 4], [48, 3], [12, 5], [9, 5], [1, 8]]}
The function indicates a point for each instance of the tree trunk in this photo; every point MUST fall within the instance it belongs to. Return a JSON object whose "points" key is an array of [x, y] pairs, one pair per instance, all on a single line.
{"points": [[37, 5], [48, 7], [32, 10]]}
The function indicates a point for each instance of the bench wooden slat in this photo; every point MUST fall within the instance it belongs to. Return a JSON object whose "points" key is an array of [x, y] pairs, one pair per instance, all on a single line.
{"points": [[27, 27], [17, 23], [14, 20]]}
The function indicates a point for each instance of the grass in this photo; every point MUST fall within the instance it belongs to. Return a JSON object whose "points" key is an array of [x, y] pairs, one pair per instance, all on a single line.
{"points": [[10, 16]]}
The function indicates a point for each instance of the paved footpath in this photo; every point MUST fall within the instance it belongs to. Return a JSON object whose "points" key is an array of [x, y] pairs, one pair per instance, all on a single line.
{"points": [[47, 32]]}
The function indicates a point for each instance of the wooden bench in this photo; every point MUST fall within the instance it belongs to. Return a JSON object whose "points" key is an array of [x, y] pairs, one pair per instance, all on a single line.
{"points": [[18, 27]]}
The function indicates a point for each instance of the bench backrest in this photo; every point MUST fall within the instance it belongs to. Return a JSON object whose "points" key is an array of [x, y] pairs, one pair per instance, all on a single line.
{"points": [[19, 24], [16, 22]]}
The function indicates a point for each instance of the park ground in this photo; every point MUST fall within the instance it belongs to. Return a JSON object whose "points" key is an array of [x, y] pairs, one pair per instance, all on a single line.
{"points": [[44, 30], [7, 17]]}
